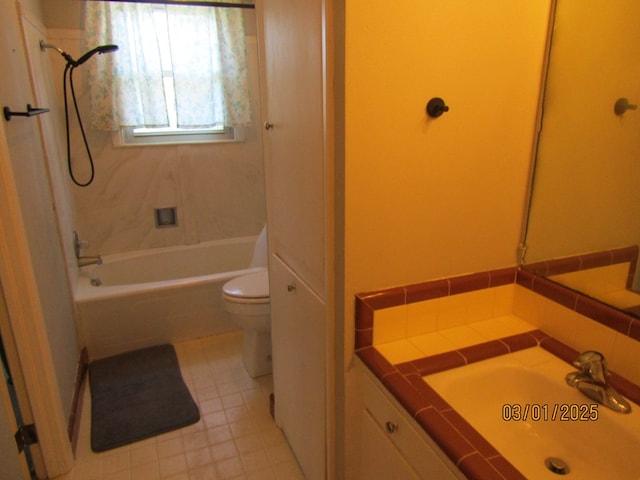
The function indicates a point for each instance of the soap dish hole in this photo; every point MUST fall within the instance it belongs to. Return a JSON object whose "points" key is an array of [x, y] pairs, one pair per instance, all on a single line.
{"points": [[166, 217]]}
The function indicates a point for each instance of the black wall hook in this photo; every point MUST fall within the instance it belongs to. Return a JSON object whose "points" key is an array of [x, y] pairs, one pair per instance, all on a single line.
{"points": [[436, 107]]}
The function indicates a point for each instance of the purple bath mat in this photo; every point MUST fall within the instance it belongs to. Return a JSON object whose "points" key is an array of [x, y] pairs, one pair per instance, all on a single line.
{"points": [[137, 395]]}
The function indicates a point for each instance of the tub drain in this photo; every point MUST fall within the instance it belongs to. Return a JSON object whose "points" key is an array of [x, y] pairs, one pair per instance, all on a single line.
{"points": [[557, 465]]}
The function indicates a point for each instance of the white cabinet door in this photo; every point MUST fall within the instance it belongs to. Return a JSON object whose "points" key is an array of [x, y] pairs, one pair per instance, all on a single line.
{"points": [[295, 154], [397, 435], [296, 164], [299, 339], [379, 458]]}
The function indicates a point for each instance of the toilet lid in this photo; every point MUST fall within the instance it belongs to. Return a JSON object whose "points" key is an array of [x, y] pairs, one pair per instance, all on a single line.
{"points": [[253, 285]]}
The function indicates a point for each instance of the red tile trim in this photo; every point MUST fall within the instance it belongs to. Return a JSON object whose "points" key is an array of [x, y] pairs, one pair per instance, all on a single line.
{"points": [[619, 320], [520, 341], [585, 261], [483, 447], [469, 283], [504, 276], [364, 315], [390, 297], [556, 292], [379, 365], [439, 362], [363, 339], [452, 442], [560, 349], [525, 278], [427, 291], [485, 350], [505, 468], [634, 329], [475, 467], [612, 318], [404, 391], [625, 387]]}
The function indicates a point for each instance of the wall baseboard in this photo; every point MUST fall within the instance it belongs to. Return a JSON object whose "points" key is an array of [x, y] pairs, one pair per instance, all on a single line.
{"points": [[78, 394]]}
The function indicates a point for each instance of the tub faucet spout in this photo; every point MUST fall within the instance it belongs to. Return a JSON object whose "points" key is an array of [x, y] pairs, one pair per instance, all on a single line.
{"points": [[84, 261], [592, 380]]}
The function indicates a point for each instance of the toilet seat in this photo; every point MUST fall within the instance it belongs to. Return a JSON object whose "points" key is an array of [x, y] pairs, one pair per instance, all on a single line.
{"points": [[251, 288]]}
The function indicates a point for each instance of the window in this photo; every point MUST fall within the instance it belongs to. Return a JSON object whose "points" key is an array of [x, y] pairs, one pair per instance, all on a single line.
{"points": [[179, 76]]}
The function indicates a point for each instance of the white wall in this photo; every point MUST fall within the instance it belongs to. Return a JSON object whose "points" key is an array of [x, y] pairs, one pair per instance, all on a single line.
{"points": [[431, 198], [30, 166]]}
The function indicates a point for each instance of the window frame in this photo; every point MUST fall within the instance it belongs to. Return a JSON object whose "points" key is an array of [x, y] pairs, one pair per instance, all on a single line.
{"points": [[125, 137]]}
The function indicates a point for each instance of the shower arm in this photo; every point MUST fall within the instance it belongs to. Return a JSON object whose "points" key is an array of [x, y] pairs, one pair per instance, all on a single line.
{"points": [[66, 56]]}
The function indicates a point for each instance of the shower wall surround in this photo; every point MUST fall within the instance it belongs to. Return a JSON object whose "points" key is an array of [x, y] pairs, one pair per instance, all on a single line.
{"points": [[218, 189]]}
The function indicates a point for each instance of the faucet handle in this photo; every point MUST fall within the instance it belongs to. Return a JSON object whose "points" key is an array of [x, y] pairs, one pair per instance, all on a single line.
{"points": [[594, 364]]}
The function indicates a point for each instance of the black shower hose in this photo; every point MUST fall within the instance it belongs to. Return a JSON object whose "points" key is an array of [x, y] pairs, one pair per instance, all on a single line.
{"points": [[69, 68]]}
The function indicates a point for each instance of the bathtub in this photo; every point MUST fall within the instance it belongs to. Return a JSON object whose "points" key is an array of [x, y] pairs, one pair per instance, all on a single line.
{"points": [[161, 295]]}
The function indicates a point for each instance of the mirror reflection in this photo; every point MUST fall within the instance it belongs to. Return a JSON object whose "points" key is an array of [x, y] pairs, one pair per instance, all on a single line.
{"points": [[583, 228]]}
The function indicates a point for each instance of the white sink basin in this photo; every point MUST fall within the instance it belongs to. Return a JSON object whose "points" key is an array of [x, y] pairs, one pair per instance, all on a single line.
{"points": [[595, 442]]}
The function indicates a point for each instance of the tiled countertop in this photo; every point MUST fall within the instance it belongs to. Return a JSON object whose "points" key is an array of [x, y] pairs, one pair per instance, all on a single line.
{"points": [[403, 333], [400, 366]]}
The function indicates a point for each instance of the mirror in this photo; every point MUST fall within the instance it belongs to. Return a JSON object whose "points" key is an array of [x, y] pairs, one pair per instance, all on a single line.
{"points": [[583, 226]]}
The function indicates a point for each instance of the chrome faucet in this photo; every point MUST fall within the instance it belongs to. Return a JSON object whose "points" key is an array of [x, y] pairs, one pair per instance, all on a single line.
{"points": [[592, 380], [83, 261]]}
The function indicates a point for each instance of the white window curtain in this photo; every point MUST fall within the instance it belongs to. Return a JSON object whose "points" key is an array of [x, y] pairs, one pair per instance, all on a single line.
{"points": [[208, 61]]}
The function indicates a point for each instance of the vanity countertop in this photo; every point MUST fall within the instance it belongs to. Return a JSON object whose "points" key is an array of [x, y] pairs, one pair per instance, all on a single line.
{"points": [[401, 371]]}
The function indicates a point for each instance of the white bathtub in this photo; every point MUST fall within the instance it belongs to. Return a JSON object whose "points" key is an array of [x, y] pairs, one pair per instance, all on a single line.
{"points": [[161, 295]]}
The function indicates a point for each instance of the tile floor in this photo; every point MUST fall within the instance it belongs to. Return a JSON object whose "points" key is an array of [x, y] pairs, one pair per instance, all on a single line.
{"points": [[236, 438]]}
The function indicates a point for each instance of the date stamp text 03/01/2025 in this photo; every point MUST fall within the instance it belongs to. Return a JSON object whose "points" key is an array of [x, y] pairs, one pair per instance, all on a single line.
{"points": [[545, 412]]}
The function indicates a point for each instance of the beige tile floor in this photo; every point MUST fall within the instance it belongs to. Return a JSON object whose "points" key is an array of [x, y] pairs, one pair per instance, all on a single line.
{"points": [[236, 438]]}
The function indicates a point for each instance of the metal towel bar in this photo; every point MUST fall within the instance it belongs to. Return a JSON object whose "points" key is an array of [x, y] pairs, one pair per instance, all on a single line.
{"points": [[29, 113]]}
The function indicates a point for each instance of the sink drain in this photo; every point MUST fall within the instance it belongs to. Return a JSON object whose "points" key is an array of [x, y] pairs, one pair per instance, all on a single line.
{"points": [[557, 465]]}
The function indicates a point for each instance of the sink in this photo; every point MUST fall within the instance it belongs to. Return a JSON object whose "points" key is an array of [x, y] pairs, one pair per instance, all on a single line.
{"points": [[521, 404]]}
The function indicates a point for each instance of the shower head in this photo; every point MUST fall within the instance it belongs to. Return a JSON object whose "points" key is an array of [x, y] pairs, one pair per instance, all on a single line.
{"points": [[100, 49], [75, 63]]}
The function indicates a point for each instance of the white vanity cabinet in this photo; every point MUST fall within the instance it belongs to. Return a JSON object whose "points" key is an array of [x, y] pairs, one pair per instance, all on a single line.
{"points": [[392, 445]]}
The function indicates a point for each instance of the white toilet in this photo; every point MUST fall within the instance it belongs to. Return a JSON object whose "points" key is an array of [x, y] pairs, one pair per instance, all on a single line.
{"points": [[247, 299]]}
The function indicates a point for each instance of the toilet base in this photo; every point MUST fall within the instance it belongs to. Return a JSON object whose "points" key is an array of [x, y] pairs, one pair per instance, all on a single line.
{"points": [[256, 353]]}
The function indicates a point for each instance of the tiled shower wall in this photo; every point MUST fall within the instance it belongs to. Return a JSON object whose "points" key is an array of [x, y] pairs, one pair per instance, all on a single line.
{"points": [[218, 189]]}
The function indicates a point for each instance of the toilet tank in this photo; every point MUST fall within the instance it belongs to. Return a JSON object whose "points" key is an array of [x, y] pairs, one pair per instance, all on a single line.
{"points": [[260, 251]]}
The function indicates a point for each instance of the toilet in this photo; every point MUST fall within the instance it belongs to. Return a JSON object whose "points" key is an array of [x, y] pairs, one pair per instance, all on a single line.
{"points": [[247, 299]]}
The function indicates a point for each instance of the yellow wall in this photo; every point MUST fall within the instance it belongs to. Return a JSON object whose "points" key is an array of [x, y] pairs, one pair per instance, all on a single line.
{"points": [[432, 198]]}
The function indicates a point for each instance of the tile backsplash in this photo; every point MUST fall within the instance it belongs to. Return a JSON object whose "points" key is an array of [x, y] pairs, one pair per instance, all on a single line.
{"points": [[391, 315]]}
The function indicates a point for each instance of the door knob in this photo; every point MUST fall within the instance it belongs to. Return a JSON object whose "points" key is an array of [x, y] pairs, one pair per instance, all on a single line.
{"points": [[268, 126]]}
